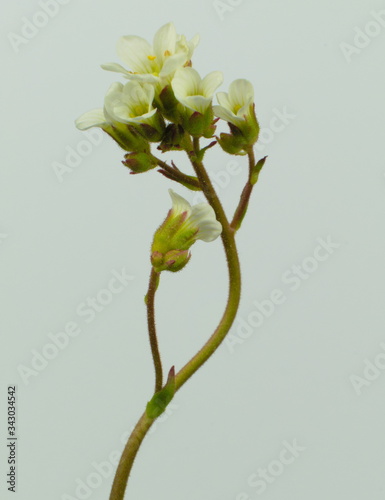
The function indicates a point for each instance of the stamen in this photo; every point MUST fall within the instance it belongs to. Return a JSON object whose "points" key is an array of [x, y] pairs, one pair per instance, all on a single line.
{"points": [[167, 53], [151, 57]]}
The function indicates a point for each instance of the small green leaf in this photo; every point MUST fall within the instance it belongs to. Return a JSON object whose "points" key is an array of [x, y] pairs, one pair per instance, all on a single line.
{"points": [[161, 399], [255, 171]]}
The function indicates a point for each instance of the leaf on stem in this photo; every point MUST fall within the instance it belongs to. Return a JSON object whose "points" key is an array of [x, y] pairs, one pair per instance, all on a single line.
{"points": [[254, 174], [159, 402]]}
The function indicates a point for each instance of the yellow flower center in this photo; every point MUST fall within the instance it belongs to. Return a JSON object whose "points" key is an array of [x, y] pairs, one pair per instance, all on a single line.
{"points": [[151, 58]]}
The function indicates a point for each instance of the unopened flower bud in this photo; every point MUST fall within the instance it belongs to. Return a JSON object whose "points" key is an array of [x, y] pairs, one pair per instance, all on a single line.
{"points": [[139, 162], [183, 226]]}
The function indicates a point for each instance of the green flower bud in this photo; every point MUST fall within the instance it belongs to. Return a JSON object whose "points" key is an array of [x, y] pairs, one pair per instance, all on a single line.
{"points": [[139, 162], [183, 226]]}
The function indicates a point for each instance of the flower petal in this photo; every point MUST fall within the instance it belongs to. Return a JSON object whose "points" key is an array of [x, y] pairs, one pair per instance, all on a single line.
{"points": [[179, 204], [186, 82], [203, 217], [164, 42], [172, 63], [223, 99], [135, 51], [211, 82], [227, 115], [94, 118], [196, 103], [115, 67], [241, 92]]}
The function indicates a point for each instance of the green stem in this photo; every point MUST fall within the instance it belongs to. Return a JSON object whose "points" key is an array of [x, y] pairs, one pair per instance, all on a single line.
{"points": [[241, 210], [231, 253], [128, 457], [144, 424], [176, 175], [150, 302]]}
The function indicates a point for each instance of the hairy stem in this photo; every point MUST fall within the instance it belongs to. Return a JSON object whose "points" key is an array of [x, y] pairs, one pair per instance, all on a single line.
{"points": [[128, 457], [176, 175], [240, 212], [228, 239], [231, 253], [150, 302]]}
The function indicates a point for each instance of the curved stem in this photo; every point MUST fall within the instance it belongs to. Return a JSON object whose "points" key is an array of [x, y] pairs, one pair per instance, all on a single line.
{"points": [[128, 457], [234, 296], [150, 302], [144, 424]]}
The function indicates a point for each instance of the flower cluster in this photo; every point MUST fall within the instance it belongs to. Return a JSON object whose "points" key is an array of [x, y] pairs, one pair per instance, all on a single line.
{"points": [[164, 100]]}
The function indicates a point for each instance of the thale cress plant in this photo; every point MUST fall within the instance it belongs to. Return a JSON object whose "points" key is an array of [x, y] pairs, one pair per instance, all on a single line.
{"points": [[165, 102]]}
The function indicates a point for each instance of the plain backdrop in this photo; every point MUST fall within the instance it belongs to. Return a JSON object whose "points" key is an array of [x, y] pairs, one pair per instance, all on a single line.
{"points": [[308, 374]]}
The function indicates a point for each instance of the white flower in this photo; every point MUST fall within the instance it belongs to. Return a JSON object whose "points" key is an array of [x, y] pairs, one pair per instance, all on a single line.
{"points": [[236, 106], [193, 92], [123, 106], [153, 63], [130, 103], [98, 117], [200, 217]]}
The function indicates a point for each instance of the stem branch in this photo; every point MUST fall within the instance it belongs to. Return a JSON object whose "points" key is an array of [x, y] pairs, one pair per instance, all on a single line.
{"points": [[228, 239], [240, 212], [150, 302]]}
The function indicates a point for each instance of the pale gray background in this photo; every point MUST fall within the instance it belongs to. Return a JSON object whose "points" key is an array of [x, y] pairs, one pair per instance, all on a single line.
{"points": [[291, 379]]}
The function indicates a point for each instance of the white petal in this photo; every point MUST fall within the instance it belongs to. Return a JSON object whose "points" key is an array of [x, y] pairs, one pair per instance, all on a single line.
{"points": [[138, 96], [133, 93], [211, 82], [223, 99], [164, 42], [94, 118], [227, 115], [196, 102], [195, 41], [114, 87], [245, 111], [241, 92], [145, 78], [182, 45], [112, 100], [172, 63], [140, 119], [134, 51], [203, 217], [150, 92], [186, 82], [179, 204], [115, 67]]}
